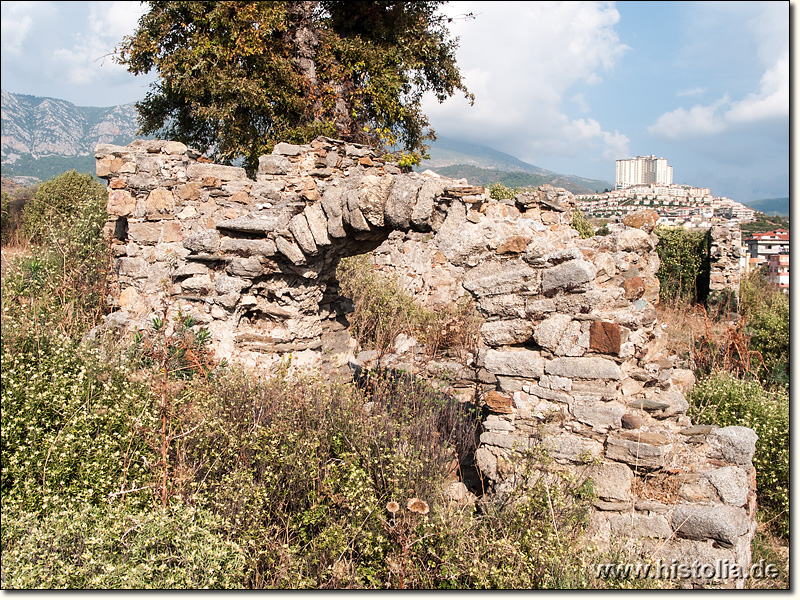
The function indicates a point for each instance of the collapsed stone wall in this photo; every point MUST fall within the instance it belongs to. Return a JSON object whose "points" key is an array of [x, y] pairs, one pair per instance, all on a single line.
{"points": [[570, 359], [725, 255]]}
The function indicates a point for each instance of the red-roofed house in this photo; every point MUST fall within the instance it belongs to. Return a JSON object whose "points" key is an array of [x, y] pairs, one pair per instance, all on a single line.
{"points": [[763, 245]]}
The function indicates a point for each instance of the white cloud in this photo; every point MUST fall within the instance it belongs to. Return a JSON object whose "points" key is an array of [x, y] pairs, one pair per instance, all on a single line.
{"points": [[526, 63], [90, 58], [769, 28], [18, 20], [697, 91]]}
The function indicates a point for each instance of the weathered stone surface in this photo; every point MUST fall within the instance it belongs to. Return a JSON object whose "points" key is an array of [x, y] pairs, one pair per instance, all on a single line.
{"points": [[648, 405], [246, 247], [205, 241], [514, 363], [273, 165], [583, 368], [549, 332], [731, 484], [605, 337], [160, 203], [725, 524], [570, 276], [246, 267], [144, 233], [498, 402], [574, 448], [634, 288], [198, 284], [638, 525], [286, 149], [401, 202], [634, 240], [648, 450], [505, 333], [495, 278], [600, 415], [332, 205], [641, 219], [230, 285], [736, 444], [612, 481], [631, 421], [315, 215], [302, 234], [352, 214], [513, 244], [254, 225], [121, 203], [504, 440], [222, 172], [373, 194], [423, 209]]}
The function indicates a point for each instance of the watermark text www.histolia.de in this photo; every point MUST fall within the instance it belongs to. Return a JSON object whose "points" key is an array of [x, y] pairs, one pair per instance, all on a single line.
{"points": [[721, 569]]}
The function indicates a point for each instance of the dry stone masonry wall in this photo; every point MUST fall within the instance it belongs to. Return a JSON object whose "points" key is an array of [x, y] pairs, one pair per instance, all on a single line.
{"points": [[570, 359]]}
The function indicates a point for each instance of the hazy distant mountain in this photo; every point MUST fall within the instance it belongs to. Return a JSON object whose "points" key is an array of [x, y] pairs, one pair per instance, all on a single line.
{"points": [[482, 165], [771, 206], [43, 137]]}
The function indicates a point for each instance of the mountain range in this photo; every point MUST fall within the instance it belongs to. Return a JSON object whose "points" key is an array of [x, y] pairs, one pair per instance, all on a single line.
{"points": [[44, 137]]}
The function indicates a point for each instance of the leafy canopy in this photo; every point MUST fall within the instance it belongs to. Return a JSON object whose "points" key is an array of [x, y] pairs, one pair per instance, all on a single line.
{"points": [[238, 77]]}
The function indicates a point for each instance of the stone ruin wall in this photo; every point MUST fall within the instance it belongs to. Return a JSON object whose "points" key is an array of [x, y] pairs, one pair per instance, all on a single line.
{"points": [[570, 356]]}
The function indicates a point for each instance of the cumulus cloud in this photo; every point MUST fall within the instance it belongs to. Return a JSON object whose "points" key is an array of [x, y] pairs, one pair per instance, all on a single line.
{"points": [[526, 63], [90, 57], [769, 101]]}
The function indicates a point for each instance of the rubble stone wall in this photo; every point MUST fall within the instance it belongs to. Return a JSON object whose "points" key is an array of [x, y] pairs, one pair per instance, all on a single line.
{"points": [[570, 359]]}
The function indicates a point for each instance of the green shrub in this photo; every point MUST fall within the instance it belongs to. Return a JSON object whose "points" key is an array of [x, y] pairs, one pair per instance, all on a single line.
{"points": [[118, 547], [499, 191], [581, 224], [765, 310], [59, 203], [69, 427], [685, 268], [724, 400]]}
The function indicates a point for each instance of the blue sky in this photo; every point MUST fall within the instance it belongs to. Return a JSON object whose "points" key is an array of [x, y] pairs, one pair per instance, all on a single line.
{"points": [[567, 86]]}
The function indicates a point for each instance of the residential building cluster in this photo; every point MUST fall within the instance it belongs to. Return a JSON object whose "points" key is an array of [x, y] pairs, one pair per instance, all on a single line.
{"points": [[645, 182]]}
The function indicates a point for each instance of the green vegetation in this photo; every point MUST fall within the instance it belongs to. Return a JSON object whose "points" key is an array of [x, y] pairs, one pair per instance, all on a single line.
{"points": [[237, 77], [684, 270], [47, 167], [581, 224], [764, 223], [724, 400]]}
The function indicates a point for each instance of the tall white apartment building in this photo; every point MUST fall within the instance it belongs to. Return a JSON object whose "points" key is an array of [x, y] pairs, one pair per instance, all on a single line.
{"points": [[643, 169]]}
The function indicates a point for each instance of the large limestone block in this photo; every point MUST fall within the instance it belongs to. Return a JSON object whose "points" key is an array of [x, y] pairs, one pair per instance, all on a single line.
{"points": [[373, 194], [725, 524], [423, 209], [315, 215], [492, 278], [222, 172], [612, 481], [731, 483], [332, 205], [121, 203], [585, 367], [570, 276], [506, 333], [634, 240], [639, 526], [401, 202], [298, 225], [514, 363], [549, 332], [639, 449], [736, 444]]}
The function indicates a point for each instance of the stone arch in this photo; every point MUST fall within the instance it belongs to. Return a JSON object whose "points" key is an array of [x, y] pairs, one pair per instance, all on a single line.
{"points": [[570, 328]]}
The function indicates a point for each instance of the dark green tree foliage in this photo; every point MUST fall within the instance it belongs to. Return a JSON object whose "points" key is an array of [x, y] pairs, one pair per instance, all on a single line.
{"points": [[238, 77]]}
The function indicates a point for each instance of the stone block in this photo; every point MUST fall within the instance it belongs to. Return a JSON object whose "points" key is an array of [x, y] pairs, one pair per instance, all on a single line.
{"points": [[570, 276], [732, 484], [514, 363], [736, 444], [724, 524], [588, 367], [121, 203], [640, 449], [612, 481], [505, 333]]}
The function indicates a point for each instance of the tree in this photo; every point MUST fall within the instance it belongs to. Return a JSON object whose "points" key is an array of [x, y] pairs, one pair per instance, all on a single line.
{"points": [[235, 78]]}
